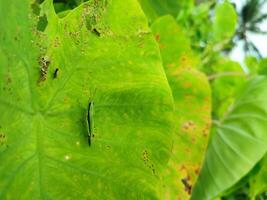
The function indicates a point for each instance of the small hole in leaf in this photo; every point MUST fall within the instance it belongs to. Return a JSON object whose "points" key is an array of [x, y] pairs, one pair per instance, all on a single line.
{"points": [[187, 185], [64, 5], [44, 63], [96, 32], [42, 23], [2, 139], [35, 7]]}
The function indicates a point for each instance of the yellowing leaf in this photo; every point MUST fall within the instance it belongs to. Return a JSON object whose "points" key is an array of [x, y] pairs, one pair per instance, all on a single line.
{"points": [[191, 92]]}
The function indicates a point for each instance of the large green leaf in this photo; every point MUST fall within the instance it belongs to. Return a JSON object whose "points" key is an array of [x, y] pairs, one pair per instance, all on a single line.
{"points": [[191, 92], [238, 144], [97, 53]]}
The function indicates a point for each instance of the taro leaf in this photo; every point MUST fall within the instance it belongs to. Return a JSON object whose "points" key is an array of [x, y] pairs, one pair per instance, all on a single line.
{"points": [[156, 8], [192, 101], [225, 21], [97, 53], [238, 143]]}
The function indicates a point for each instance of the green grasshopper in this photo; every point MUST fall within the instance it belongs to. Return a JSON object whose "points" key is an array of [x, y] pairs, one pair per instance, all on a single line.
{"points": [[90, 121]]}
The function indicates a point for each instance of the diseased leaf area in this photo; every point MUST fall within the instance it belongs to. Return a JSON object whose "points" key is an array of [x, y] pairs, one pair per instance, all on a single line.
{"points": [[191, 93], [132, 100]]}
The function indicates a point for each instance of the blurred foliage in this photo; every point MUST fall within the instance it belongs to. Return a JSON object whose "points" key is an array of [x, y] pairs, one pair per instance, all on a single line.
{"points": [[258, 183], [250, 18], [213, 28], [156, 8], [192, 101], [226, 82]]}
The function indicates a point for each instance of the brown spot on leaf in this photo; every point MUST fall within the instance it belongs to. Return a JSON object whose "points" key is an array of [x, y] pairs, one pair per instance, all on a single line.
{"points": [[147, 161], [183, 168], [44, 64], [206, 130], [3, 139], [162, 46], [187, 150], [157, 36], [183, 58], [188, 126], [197, 170], [145, 155], [171, 65], [8, 79], [187, 84], [187, 185], [56, 42]]}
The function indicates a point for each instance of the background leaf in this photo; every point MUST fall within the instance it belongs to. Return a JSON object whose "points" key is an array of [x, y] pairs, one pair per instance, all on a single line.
{"points": [[225, 21], [156, 8], [227, 80], [238, 144], [191, 92]]}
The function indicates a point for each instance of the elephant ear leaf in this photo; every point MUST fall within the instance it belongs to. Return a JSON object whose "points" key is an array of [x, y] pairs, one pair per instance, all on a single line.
{"points": [[51, 70], [238, 143], [192, 100]]}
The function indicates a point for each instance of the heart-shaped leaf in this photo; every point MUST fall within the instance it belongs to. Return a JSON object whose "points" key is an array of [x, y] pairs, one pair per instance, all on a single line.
{"points": [[238, 144]]}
